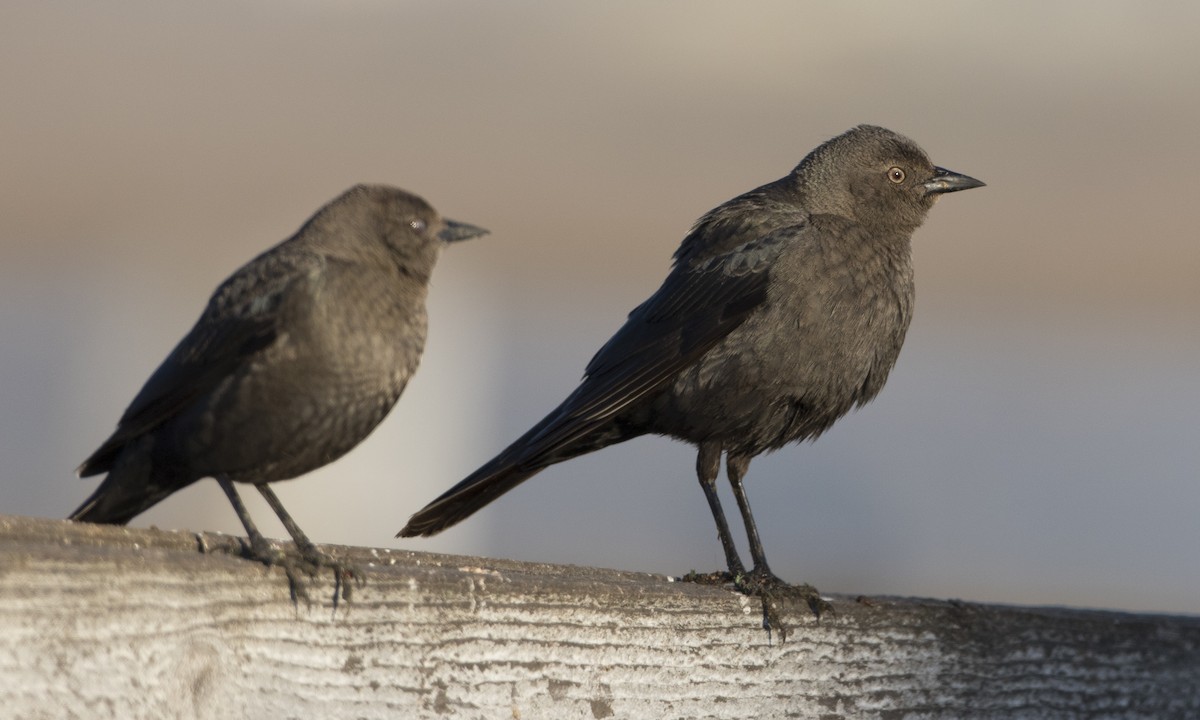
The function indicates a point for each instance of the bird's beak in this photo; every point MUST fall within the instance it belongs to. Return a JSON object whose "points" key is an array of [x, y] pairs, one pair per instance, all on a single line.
{"points": [[455, 231], [948, 181]]}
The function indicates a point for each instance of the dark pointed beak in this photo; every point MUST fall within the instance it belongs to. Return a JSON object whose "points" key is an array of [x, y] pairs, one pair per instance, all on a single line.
{"points": [[948, 181], [455, 231]]}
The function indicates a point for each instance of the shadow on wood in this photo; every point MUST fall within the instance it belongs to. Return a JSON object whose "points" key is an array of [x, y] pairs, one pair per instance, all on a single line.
{"points": [[104, 622]]}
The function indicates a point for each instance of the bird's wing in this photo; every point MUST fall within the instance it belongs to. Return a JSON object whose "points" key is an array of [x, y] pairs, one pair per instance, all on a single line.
{"points": [[700, 302], [241, 319], [696, 307]]}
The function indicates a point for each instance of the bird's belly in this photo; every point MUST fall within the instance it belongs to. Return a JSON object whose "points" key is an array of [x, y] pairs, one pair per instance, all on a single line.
{"points": [[759, 398], [285, 425]]}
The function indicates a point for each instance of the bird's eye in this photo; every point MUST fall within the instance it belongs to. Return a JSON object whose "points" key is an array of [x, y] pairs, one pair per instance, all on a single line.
{"points": [[895, 174], [418, 225]]}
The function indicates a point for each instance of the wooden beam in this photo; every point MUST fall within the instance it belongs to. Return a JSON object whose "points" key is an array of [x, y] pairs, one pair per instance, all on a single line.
{"points": [[103, 622]]}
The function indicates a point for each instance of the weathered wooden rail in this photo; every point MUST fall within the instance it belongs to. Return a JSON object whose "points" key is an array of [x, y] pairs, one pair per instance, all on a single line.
{"points": [[101, 622]]}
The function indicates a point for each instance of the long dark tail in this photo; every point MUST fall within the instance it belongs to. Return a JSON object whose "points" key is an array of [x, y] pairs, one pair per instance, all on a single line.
{"points": [[555, 439], [129, 490], [103, 507]]}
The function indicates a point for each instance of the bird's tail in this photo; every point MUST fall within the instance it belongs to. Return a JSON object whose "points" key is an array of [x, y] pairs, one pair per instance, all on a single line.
{"points": [[101, 508], [551, 441], [129, 489]]}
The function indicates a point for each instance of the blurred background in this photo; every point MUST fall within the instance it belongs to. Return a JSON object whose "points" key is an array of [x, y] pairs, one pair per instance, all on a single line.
{"points": [[1037, 442]]}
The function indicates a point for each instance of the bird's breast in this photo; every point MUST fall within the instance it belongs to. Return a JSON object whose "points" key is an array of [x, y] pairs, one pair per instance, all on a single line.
{"points": [[824, 341]]}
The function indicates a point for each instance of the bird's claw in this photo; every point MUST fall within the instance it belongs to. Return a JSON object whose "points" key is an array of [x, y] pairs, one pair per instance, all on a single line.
{"points": [[778, 595], [304, 567], [345, 575]]}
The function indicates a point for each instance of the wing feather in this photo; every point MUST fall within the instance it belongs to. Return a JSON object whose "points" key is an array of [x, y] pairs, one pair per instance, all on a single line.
{"points": [[240, 320]]}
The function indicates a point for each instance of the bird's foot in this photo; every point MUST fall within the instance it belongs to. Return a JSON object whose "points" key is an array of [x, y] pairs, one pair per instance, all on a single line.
{"points": [[259, 549], [300, 568], [778, 596], [345, 575]]}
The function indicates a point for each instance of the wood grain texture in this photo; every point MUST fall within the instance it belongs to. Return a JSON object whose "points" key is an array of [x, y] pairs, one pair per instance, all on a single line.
{"points": [[101, 622]]}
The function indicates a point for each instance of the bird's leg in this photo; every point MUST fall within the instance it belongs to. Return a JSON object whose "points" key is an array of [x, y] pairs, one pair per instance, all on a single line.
{"points": [[310, 553], [708, 464], [260, 548], [761, 581], [303, 544], [736, 467]]}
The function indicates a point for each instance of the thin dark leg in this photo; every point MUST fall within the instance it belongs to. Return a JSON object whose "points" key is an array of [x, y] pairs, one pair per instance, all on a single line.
{"points": [[310, 552], [263, 551], [736, 467], [775, 593], [708, 464], [260, 547], [302, 542]]}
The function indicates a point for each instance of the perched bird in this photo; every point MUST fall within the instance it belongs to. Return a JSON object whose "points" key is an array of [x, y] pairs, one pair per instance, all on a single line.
{"points": [[785, 308], [295, 360]]}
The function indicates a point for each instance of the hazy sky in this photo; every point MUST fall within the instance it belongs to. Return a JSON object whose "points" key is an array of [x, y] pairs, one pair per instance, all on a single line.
{"points": [[1038, 440]]}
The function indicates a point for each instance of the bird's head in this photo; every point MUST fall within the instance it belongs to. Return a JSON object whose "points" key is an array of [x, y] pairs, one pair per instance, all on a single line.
{"points": [[395, 221], [877, 177]]}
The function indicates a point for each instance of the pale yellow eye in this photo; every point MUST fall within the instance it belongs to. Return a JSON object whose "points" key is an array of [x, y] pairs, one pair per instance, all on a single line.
{"points": [[896, 175]]}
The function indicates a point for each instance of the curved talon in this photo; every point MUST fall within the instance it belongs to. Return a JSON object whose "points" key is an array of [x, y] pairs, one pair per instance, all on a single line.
{"points": [[774, 592], [317, 559], [308, 561]]}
